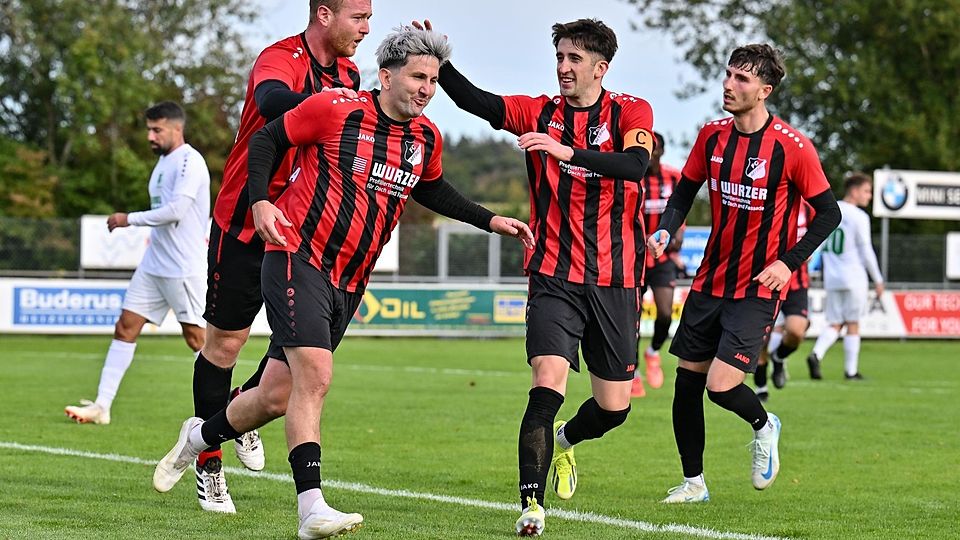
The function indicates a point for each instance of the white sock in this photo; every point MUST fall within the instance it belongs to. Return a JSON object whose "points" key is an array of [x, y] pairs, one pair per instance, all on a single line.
{"points": [[851, 353], [826, 338], [761, 389], [698, 480], [767, 427], [776, 338], [195, 439], [306, 499], [119, 357], [561, 439]]}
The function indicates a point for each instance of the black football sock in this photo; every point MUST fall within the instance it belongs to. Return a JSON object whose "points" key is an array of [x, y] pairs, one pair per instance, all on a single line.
{"points": [[305, 463], [591, 422], [661, 330], [760, 377], [535, 446], [254, 379], [211, 389], [743, 402], [688, 425], [217, 430], [784, 350]]}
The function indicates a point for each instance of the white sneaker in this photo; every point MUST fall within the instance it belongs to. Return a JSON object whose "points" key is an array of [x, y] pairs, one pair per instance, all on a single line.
{"points": [[532, 520], [250, 450], [323, 521], [687, 492], [766, 456], [88, 412], [175, 463], [212, 493]]}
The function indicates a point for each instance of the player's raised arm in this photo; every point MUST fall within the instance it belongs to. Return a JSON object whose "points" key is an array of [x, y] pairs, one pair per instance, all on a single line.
{"points": [[468, 97]]}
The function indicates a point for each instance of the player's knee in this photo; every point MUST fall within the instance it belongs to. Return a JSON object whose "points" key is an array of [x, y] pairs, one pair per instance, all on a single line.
{"points": [[274, 403], [125, 331], [222, 350]]}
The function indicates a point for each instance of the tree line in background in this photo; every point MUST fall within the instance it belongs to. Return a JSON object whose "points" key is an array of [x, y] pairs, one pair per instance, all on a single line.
{"points": [[871, 83]]}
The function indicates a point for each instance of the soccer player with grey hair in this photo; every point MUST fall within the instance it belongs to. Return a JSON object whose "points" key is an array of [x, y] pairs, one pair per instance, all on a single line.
{"points": [[362, 159]]}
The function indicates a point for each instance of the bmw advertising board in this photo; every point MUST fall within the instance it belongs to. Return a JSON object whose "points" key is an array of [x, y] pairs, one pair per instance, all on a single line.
{"points": [[916, 194]]}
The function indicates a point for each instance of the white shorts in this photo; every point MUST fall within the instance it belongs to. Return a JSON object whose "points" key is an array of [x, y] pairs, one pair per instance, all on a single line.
{"points": [[844, 305], [152, 297]]}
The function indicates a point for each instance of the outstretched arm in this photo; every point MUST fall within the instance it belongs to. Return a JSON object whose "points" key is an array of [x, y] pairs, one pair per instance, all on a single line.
{"points": [[441, 197], [468, 97]]}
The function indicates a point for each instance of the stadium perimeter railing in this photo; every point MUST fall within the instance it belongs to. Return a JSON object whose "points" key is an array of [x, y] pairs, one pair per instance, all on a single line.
{"points": [[51, 248]]}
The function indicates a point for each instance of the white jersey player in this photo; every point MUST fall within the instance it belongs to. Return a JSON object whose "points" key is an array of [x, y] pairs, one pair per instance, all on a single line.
{"points": [[173, 272], [848, 258]]}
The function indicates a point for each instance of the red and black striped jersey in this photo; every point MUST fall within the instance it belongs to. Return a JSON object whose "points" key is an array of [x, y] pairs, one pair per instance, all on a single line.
{"points": [[290, 62], [588, 228], [657, 188], [757, 182], [354, 173], [801, 278]]}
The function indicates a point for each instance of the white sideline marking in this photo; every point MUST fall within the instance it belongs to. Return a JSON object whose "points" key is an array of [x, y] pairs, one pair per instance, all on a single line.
{"points": [[586, 517]]}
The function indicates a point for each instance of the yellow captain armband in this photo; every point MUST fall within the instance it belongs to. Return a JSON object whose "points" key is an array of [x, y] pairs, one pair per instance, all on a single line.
{"points": [[641, 138]]}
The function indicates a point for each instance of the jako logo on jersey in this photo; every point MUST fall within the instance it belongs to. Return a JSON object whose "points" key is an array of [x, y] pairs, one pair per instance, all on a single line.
{"points": [[741, 357], [598, 135], [294, 175], [555, 125], [395, 175], [716, 159], [413, 152], [366, 137], [756, 168]]}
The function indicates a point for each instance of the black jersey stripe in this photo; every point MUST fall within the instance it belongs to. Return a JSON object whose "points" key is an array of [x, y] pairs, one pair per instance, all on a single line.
{"points": [[616, 223], [742, 222], [537, 172], [591, 204], [564, 191], [347, 152], [317, 203], [715, 242], [774, 180]]}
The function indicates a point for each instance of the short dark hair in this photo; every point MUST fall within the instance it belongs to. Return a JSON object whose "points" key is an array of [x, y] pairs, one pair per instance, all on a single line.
{"points": [[168, 110], [661, 143], [855, 179], [588, 34], [760, 59], [332, 5]]}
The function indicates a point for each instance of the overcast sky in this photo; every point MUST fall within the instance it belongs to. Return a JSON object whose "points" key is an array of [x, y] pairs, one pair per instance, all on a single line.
{"points": [[513, 54]]}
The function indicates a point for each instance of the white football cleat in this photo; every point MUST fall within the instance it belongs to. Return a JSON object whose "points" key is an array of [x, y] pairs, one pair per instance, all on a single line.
{"points": [[687, 492], [766, 455], [249, 450], [175, 463], [212, 493], [88, 412], [323, 521], [533, 519]]}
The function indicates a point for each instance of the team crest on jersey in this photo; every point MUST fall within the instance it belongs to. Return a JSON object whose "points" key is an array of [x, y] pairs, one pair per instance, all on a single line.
{"points": [[756, 168], [413, 152], [598, 135]]}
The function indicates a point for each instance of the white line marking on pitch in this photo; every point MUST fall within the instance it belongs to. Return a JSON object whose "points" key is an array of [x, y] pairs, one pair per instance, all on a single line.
{"points": [[586, 517]]}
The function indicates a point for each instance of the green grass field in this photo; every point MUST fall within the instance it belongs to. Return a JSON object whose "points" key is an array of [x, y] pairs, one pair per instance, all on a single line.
{"points": [[420, 437]]}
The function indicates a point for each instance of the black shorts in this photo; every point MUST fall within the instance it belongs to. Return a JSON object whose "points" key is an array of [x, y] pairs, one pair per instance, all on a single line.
{"points": [[733, 330], [603, 322], [304, 309], [662, 274], [796, 304], [233, 280]]}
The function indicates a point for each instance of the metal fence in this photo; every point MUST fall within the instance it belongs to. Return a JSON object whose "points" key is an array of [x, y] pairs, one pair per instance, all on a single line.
{"points": [[448, 252]]}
